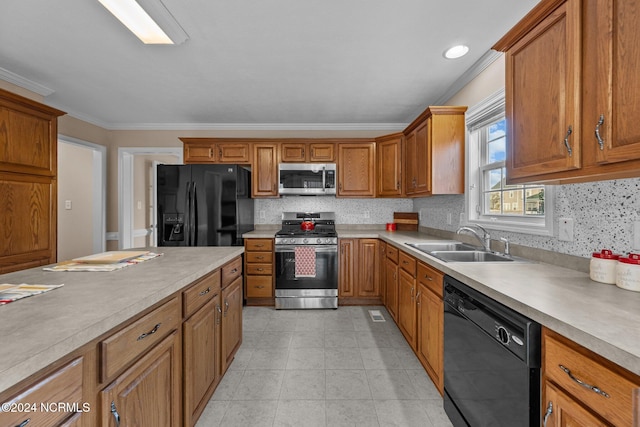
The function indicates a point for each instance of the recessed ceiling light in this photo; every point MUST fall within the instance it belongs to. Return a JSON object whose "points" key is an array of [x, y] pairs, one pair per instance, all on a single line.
{"points": [[140, 18], [456, 51]]}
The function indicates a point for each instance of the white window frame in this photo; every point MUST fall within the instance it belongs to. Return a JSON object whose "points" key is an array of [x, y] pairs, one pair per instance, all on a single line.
{"points": [[485, 112]]}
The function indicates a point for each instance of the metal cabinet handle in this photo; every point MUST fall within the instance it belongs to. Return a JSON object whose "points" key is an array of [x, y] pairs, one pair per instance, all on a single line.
{"points": [[259, 257], [303, 152], [414, 183], [600, 123], [206, 291], [24, 423], [429, 278], [114, 411], [398, 185], [340, 186], [260, 287], [583, 384], [219, 310], [226, 307], [210, 152], [235, 270], [151, 332], [547, 414], [259, 245], [412, 290], [259, 269], [566, 140], [220, 153], [418, 298]]}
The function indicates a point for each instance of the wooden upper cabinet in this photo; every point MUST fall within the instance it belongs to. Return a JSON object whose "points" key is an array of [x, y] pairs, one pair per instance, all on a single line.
{"points": [[302, 152], [215, 150], [573, 63], [434, 152], [264, 173], [389, 173], [356, 169]]}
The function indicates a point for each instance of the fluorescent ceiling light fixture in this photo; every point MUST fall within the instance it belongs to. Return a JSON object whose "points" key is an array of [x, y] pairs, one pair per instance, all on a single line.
{"points": [[456, 51], [145, 22]]}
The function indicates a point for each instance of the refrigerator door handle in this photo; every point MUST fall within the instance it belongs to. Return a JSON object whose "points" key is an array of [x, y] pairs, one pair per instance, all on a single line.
{"points": [[193, 218], [187, 212]]}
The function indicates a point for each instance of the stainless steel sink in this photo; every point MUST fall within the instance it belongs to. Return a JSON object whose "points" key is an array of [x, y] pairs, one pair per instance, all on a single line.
{"points": [[429, 247], [469, 256]]}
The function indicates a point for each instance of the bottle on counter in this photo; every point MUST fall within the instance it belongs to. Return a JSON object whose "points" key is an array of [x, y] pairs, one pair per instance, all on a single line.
{"points": [[628, 272], [603, 267]]}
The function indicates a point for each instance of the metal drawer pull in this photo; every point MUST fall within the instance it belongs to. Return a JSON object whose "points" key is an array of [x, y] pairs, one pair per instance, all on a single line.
{"points": [[583, 384], [24, 423], [206, 291], [598, 137], [418, 298], [260, 287], [114, 411], [566, 140], [219, 314], [235, 270], [547, 414], [259, 269], [259, 257], [426, 276], [151, 332], [226, 307]]}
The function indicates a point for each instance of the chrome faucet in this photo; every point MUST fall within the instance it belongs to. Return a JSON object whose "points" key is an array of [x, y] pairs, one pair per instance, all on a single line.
{"points": [[485, 239]]}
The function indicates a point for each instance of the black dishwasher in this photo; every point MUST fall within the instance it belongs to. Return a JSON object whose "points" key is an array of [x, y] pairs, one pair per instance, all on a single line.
{"points": [[491, 361]]}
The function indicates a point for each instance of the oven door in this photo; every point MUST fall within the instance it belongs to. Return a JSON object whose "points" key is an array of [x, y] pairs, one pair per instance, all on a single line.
{"points": [[326, 277]]}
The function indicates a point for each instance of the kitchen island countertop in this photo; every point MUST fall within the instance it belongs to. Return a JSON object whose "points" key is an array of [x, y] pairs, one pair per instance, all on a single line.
{"points": [[600, 317], [41, 329]]}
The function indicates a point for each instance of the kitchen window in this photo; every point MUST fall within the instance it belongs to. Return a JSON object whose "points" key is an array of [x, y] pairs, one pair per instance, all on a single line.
{"points": [[490, 201]]}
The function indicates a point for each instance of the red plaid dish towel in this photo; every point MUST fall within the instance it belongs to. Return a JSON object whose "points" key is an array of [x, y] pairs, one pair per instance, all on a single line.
{"points": [[305, 261]]}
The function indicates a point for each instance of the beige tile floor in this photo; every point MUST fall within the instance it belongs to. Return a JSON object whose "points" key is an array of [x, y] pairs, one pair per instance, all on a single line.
{"points": [[323, 368]]}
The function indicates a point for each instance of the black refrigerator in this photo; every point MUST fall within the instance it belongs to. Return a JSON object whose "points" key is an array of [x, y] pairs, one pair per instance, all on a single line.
{"points": [[203, 205]]}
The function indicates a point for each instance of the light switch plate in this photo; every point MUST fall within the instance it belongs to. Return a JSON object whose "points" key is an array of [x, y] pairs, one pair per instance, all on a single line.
{"points": [[67, 205], [566, 230]]}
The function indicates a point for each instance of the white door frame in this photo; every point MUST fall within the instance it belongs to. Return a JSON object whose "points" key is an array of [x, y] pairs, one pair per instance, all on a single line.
{"points": [[125, 187], [99, 189]]}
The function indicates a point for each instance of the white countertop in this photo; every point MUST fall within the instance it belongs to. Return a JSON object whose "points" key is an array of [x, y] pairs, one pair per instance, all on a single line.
{"points": [[41, 329], [601, 317]]}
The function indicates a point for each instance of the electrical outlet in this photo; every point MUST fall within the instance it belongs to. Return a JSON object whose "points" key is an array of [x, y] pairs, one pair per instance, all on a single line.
{"points": [[262, 215], [367, 214], [636, 235], [67, 205], [420, 215], [139, 205], [449, 220], [461, 217], [566, 230]]}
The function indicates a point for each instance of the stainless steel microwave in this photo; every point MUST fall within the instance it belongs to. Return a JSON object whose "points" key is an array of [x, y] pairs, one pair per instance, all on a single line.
{"points": [[307, 179]]}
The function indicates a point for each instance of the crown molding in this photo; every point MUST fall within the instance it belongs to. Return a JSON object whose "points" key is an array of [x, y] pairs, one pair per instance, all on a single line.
{"points": [[25, 83]]}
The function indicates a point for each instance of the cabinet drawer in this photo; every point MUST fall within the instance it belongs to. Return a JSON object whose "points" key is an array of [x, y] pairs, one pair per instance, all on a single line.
{"points": [[392, 253], [407, 263], [126, 345], [594, 370], [64, 385], [200, 292], [231, 271], [264, 269], [431, 278], [258, 244], [262, 257], [259, 287]]}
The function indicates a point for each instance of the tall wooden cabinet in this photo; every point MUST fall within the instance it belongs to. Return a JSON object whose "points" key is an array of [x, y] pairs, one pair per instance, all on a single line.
{"points": [[434, 152], [572, 64], [264, 174], [28, 185], [389, 166]]}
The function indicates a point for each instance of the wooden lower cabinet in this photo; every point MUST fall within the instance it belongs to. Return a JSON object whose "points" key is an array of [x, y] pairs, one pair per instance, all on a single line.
{"points": [[231, 337], [391, 287], [359, 271], [560, 410], [407, 312], [259, 271], [430, 328], [149, 392], [201, 354]]}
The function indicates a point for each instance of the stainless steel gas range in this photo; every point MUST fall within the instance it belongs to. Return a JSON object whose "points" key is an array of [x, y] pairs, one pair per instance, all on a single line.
{"points": [[307, 261]]}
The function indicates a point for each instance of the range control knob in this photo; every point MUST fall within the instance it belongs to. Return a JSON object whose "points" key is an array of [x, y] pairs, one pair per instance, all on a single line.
{"points": [[305, 240], [503, 335], [292, 240], [319, 241]]}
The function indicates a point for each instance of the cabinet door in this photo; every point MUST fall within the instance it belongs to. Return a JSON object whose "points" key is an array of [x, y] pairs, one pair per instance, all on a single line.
{"points": [[560, 410], [356, 170], [390, 167], [430, 331], [293, 152], [148, 393], [264, 176], [201, 359], [422, 173], [233, 153], [407, 307], [368, 284], [382, 262], [231, 322], [28, 221], [199, 153], [410, 163], [391, 291], [611, 66], [346, 268], [322, 152], [543, 96]]}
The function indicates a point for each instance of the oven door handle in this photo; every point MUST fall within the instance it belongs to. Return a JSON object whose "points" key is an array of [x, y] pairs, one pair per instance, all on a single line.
{"points": [[291, 248]]}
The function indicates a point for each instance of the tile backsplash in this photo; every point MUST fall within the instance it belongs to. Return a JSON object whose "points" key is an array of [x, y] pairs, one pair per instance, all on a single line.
{"points": [[603, 214], [348, 211]]}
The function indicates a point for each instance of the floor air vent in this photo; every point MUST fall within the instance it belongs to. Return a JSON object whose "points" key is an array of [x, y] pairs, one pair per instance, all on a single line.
{"points": [[376, 316]]}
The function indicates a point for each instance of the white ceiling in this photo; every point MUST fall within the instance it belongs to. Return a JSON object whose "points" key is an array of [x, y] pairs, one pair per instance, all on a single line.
{"points": [[289, 62]]}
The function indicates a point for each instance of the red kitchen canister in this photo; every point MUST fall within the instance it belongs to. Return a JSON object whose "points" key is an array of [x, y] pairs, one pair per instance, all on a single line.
{"points": [[603, 266]]}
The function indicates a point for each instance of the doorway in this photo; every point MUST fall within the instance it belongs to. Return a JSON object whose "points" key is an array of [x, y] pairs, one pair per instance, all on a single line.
{"points": [[82, 169]]}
